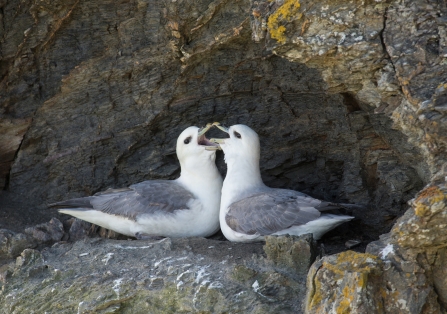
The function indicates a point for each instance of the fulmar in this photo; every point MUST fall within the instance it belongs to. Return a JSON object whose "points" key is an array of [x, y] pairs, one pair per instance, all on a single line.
{"points": [[185, 207], [250, 210]]}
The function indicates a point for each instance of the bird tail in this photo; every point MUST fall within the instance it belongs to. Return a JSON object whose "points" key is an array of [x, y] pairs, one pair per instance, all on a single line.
{"points": [[350, 206], [81, 203], [325, 223], [324, 206]]}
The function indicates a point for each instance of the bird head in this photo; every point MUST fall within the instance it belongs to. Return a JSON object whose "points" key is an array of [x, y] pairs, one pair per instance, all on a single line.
{"points": [[242, 144], [193, 146]]}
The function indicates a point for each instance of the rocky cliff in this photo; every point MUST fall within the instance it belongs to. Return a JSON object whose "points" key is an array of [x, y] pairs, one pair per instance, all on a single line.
{"points": [[169, 276], [349, 99]]}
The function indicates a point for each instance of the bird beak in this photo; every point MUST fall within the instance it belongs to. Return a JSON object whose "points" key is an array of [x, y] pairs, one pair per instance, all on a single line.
{"points": [[213, 147], [218, 141], [209, 145], [205, 129], [221, 127]]}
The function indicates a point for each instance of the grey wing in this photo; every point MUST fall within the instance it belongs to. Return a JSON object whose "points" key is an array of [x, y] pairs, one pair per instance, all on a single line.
{"points": [[148, 197], [269, 212]]}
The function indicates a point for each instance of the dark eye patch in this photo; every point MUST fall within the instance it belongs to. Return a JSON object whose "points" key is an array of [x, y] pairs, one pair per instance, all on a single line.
{"points": [[237, 134], [187, 140]]}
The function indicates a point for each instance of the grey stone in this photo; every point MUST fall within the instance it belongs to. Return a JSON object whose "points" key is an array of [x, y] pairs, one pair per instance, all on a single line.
{"points": [[77, 229], [12, 244], [405, 277], [344, 283], [51, 231], [440, 276], [192, 275], [291, 252]]}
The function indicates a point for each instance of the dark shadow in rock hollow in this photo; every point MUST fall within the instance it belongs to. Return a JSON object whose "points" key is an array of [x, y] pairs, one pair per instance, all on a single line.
{"points": [[326, 145]]}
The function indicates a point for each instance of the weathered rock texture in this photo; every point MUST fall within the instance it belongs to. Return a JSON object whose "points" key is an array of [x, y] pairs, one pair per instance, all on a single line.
{"points": [[345, 283], [12, 244], [349, 99], [403, 272], [100, 90], [169, 276]]}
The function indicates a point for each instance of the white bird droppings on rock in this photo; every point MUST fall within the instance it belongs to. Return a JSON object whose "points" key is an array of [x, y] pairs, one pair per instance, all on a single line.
{"points": [[117, 285], [107, 258], [386, 251]]}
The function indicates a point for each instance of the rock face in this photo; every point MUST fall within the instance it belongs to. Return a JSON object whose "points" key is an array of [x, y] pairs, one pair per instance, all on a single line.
{"points": [[169, 276], [403, 272], [349, 280], [349, 99], [12, 244], [98, 93]]}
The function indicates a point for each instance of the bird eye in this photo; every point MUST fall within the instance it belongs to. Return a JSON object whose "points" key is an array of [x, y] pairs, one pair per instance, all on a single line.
{"points": [[187, 140], [237, 134]]}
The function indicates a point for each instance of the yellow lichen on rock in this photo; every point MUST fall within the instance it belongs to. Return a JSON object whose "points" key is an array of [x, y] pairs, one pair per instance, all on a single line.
{"points": [[350, 260], [348, 274], [426, 199], [344, 305], [421, 210], [433, 193], [426, 226], [285, 13]]}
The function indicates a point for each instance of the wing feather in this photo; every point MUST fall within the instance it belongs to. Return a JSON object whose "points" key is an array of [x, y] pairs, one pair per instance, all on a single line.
{"points": [[270, 211], [148, 197]]}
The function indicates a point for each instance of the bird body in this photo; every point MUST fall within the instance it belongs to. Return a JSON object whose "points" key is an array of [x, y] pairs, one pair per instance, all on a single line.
{"points": [[185, 207], [250, 210]]}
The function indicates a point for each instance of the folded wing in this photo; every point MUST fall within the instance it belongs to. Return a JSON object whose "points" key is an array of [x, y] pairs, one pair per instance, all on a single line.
{"points": [[145, 198], [271, 211]]}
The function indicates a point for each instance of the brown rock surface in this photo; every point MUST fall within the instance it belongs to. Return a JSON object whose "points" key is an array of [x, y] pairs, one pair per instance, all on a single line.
{"points": [[109, 87], [349, 99]]}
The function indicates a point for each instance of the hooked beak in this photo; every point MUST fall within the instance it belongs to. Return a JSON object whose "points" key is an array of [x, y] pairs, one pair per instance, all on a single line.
{"points": [[205, 129], [217, 140], [221, 127], [202, 140]]}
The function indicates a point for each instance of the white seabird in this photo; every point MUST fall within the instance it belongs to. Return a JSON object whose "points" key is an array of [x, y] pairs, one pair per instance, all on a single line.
{"points": [[185, 207], [250, 210]]}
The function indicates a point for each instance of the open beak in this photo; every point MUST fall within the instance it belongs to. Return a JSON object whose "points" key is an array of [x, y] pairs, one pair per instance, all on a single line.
{"points": [[205, 129], [203, 141], [221, 127], [217, 140]]}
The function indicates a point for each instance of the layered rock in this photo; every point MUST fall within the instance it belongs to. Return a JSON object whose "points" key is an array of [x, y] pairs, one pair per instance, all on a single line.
{"points": [[348, 97], [110, 86], [169, 276], [404, 272]]}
